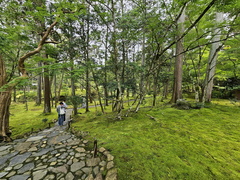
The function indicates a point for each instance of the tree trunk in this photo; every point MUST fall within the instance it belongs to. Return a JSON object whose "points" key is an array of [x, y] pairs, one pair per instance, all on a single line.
{"points": [[47, 92], [73, 88], [59, 90], [7, 87], [14, 94], [39, 87], [212, 60], [5, 101], [177, 86]]}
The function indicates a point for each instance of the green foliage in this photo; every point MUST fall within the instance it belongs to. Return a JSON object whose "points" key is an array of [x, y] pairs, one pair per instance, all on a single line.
{"points": [[75, 100], [190, 144]]}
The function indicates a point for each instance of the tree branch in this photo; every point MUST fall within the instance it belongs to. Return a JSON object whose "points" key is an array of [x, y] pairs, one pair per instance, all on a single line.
{"points": [[35, 51], [189, 28]]}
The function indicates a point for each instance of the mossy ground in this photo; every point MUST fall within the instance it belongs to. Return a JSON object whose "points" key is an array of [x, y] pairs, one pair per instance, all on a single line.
{"points": [[24, 121], [178, 144]]}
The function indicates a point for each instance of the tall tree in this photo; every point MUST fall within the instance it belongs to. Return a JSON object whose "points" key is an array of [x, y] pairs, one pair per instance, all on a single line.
{"points": [[212, 59], [177, 86]]}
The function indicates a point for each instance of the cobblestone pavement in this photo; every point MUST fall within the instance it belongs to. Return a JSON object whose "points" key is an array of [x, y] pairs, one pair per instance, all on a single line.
{"points": [[54, 154]]}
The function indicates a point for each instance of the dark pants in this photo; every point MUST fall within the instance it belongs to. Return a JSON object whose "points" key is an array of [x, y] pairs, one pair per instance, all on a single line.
{"points": [[61, 119]]}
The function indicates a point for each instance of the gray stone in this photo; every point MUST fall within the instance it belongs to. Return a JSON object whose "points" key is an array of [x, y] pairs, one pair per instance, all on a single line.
{"points": [[42, 152], [32, 149], [54, 152], [6, 157], [80, 149], [22, 146], [53, 134], [52, 159], [12, 173], [69, 176], [53, 163], [102, 149], [63, 138], [110, 157], [79, 173], [90, 177], [35, 138], [110, 165], [3, 148], [60, 146], [19, 177], [60, 169], [77, 155], [96, 170], [50, 177], [2, 174], [102, 163], [111, 174], [87, 170], [74, 142], [106, 153], [2, 153], [18, 166], [26, 167], [41, 167], [77, 166], [93, 161], [63, 156], [44, 156], [98, 177], [19, 159], [30, 159], [85, 141], [62, 150], [8, 168], [69, 162], [39, 174], [2, 166], [84, 176]]}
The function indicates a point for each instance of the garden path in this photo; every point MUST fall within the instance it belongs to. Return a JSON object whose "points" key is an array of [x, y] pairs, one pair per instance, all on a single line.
{"points": [[54, 153]]}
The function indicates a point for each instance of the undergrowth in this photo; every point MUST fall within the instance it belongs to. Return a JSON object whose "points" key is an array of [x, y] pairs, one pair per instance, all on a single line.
{"points": [[158, 143], [173, 144], [24, 121]]}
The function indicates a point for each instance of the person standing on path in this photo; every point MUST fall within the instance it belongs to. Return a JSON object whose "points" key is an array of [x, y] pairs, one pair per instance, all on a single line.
{"points": [[61, 110]]}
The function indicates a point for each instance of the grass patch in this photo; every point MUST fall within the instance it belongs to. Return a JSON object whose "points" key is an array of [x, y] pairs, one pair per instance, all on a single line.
{"points": [[22, 121], [181, 144]]}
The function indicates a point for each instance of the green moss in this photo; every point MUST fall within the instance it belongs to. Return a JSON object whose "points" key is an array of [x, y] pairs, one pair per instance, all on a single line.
{"points": [[180, 144], [23, 122]]}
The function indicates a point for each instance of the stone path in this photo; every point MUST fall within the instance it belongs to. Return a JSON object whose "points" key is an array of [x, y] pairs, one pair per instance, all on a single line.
{"points": [[54, 154]]}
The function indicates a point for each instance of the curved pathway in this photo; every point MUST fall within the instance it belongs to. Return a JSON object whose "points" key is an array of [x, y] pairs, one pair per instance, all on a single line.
{"points": [[54, 154]]}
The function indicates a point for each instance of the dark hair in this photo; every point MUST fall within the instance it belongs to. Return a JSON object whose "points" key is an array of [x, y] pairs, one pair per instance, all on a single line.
{"points": [[61, 103]]}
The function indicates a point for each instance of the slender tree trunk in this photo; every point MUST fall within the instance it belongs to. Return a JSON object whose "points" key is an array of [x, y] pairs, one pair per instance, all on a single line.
{"points": [[86, 57], [212, 60], [73, 89], [59, 89], [14, 94], [25, 98], [105, 72], [47, 91], [5, 101], [55, 91], [39, 87], [119, 97], [177, 86], [98, 91]]}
